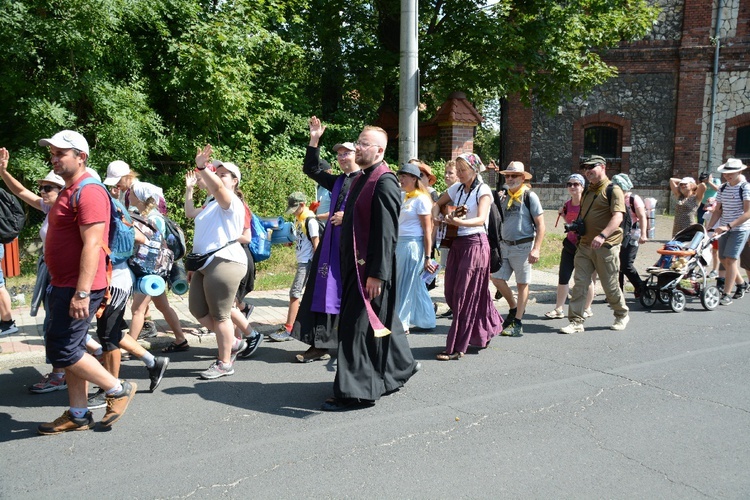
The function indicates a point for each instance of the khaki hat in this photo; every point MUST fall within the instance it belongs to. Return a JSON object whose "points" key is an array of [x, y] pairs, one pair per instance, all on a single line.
{"points": [[594, 160], [516, 167]]}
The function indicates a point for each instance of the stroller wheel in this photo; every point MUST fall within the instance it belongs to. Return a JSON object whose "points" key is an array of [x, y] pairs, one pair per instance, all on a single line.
{"points": [[663, 296], [710, 298], [677, 301], [648, 297]]}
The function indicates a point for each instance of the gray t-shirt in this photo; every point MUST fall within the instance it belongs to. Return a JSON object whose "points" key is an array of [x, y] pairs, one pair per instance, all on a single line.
{"points": [[517, 220]]}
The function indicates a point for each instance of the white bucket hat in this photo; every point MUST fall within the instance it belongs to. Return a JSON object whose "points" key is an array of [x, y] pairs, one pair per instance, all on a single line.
{"points": [[732, 165]]}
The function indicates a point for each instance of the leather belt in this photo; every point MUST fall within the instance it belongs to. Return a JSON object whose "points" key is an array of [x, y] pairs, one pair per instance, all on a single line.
{"points": [[519, 242]]}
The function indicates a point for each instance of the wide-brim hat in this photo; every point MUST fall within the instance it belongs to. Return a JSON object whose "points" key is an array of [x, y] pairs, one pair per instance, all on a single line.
{"points": [[516, 167], [53, 178], [425, 169], [732, 165]]}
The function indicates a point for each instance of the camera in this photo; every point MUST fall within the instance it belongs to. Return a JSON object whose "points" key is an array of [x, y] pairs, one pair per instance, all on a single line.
{"points": [[576, 226]]}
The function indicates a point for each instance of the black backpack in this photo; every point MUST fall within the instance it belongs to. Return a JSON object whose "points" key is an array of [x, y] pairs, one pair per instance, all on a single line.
{"points": [[12, 217], [627, 219], [321, 228], [494, 229]]}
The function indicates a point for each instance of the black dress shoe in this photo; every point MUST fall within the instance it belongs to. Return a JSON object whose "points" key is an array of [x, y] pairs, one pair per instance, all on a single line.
{"points": [[345, 404]]}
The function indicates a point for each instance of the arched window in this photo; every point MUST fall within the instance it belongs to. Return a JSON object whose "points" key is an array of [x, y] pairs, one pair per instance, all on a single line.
{"points": [[600, 140], [742, 146]]}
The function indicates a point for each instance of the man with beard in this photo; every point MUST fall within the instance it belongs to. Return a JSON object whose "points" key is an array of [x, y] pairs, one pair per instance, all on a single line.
{"points": [[373, 354], [317, 320]]}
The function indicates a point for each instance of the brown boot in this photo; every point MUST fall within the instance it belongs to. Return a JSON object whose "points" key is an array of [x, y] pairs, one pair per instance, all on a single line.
{"points": [[66, 423], [118, 403]]}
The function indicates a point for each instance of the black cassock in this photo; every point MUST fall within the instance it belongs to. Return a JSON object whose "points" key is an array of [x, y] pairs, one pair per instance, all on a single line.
{"points": [[319, 329], [368, 367]]}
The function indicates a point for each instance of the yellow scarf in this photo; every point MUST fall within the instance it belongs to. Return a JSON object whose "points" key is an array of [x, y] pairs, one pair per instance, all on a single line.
{"points": [[413, 194], [517, 196]]}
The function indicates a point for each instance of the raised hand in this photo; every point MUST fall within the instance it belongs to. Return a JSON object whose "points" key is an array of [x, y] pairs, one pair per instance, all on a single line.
{"points": [[316, 128], [190, 179], [4, 157], [202, 156]]}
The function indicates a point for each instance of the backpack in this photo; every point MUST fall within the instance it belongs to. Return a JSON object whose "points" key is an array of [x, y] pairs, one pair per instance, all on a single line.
{"points": [[742, 189], [12, 217], [494, 228], [175, 238], [260, 245], [627, 219], [153, 257], [321, 227], [121, 238]]}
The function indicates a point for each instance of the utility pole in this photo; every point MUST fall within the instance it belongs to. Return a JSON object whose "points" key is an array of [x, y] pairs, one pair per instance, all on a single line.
{"points": [[408, 119]]}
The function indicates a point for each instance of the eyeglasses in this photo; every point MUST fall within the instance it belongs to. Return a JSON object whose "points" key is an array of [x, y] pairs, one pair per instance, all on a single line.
{"points": [[572, 184], [363, 145], [590, 167], [343, 155], [47, 188], [511, 176]]}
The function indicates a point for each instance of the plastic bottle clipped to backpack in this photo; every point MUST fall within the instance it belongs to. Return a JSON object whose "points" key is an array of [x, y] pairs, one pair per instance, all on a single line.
{"points": [[154, 248]]}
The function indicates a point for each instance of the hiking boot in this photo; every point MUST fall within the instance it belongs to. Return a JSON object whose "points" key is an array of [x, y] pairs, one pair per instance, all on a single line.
{"points": [[216, 370], [314, 354], [241, 347], [515, 329], [620, 323], [573, 327], [7, 327], [97, 400], [117, 403], [739, 291], [725, 299], [252, 345], [510, 317], [66, 423], [148, 331], [281, 335], [156, 372], [49, 383]]}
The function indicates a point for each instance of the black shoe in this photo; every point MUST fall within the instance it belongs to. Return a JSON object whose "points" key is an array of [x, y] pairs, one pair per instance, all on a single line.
{"points": [[7, 327], [510, 317], [148, 331], [447, 314], [97, 400], [498, 295], [346, 404], [739, 291], [252, 345], [156, 372]]}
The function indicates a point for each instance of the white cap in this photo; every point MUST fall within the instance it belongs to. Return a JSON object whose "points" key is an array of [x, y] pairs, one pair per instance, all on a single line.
{"points": [[67, 139], [115, 171], [229, 166]]}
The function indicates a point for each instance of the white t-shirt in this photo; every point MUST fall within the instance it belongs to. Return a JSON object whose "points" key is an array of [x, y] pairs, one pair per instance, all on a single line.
{"points": [[408, 221], [215, 227], [305, 249], [45, 223], [459, 197], [732, 206]]}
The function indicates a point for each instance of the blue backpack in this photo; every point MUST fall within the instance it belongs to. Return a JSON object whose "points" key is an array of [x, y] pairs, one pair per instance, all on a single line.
{"points": [[121, 241], [260, 245]]}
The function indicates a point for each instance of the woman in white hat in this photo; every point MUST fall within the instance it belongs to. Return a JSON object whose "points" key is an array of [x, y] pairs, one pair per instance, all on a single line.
{"points": [[49, 187], [689, 196]]}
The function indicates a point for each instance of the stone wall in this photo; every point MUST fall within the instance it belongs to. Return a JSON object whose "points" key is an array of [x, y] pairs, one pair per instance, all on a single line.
{"points": [[647, 100], [732, 99], [553, 196], [668, 25]]}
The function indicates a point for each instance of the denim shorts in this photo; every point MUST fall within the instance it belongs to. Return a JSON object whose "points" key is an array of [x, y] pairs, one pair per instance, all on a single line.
{"points": [[300, 280], [731, 245], [515, 260]]}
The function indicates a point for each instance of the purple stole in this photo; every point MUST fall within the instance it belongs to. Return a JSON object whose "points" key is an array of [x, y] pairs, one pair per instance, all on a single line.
{"points": [[327, 297], [361, 236]]}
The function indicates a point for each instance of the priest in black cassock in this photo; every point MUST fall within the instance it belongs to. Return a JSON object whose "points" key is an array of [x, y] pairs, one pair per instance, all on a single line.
{"points": [[374, 357], [317, 321]]}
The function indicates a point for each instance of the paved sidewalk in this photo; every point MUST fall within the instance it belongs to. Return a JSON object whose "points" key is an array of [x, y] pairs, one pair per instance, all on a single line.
{"points": [[25, 347]]}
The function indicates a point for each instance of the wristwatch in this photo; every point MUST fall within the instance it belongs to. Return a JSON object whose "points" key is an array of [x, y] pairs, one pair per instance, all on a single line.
{"points": [[82, 295]]}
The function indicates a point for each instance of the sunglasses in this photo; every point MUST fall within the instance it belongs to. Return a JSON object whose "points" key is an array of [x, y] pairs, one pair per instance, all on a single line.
{"points": [[512, 176], [572, 184], [47, 188], [589, 167]]}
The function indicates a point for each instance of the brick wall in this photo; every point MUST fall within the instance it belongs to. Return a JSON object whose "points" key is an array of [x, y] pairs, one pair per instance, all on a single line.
{"points": [[516, 123]]}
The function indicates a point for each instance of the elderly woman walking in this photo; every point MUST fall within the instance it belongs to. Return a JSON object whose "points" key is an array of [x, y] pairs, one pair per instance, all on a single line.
{"points": [[467, 274]]}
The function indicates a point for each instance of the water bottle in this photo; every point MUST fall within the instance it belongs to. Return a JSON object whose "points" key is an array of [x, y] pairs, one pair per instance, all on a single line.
{"points": [[154, 248], [651, 216]]}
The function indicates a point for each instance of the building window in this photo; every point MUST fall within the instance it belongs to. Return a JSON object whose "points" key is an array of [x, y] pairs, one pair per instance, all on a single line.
{"points": [[742, 148], [600, 140]]}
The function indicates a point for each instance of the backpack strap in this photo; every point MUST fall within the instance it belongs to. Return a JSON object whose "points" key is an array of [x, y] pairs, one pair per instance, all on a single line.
{"points": [[76, 199]]}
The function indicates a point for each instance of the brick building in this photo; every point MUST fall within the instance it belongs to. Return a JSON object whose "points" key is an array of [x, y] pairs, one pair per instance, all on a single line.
{"points": [[671, 112]]}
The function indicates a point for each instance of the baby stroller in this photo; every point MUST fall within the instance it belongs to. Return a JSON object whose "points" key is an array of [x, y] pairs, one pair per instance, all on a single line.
{"points": [[680, 272]]}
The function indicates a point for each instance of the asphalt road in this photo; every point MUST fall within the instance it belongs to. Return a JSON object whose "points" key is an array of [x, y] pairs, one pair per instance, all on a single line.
{"points": [[661, 410]]}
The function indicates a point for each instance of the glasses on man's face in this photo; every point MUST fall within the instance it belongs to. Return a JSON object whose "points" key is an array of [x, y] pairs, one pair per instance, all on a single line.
{"points": [[572, 184], [363, 145], [590, 167], [46, 188], [344, 154]]}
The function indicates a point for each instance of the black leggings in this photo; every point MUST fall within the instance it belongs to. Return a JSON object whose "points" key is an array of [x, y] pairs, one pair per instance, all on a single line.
{"points": [[627, 268]]}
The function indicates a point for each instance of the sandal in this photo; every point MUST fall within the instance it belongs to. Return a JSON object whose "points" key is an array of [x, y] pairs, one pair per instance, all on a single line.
{"points": [[182, 346], [555, 314], [444, 356]]}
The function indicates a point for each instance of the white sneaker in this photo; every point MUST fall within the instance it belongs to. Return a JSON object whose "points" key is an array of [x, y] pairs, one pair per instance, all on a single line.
{"points": [[573, 327], [588, 313], [620, 323]]}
